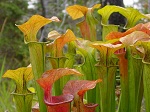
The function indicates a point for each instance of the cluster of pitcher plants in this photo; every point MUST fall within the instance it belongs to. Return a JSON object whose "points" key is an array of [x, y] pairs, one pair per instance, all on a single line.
{"points": [[78, 74]]}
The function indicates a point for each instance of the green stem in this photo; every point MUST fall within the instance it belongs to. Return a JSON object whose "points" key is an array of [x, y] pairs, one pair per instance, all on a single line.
{"points": [[138, 71], [135, 72], [146, 81], [90, 72], [107, 88], [37, 58], [131, 79]]}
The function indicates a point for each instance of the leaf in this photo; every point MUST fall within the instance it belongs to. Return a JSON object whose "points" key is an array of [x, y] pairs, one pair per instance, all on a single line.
{"points": [[21, 76], [23, 97], [106, 11], [85, 30], [49, 77], [139, 27], [56, 103], [53, 35], [132, 15], [114, 35], [77, 88], [133, 38], [106, 52], [88, 25], [76, 11], [57, 58], [57, 45], [32, 26], [147, 25]]}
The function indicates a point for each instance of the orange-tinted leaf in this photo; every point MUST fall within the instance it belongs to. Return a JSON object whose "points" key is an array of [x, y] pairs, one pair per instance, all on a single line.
{"points": [[140, 27], [88, 25], [133, 38], [79, 86], [147, 25], [57, 45], [109, 46], [114, 35], [50, 76], [32, 26], [76, 11], [85, 29], [56, 103]]}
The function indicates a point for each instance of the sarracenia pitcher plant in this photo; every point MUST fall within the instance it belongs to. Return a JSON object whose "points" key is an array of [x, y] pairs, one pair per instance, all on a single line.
{"points": [[22, 95], [78, 74]]}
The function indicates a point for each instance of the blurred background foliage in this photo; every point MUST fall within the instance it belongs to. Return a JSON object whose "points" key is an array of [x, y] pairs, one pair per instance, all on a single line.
{"points": [[11, 41], [13, 51]]}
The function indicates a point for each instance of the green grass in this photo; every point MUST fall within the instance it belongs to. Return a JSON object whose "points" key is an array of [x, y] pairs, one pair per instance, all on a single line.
{"points": [[6, 99], [6, 88]]}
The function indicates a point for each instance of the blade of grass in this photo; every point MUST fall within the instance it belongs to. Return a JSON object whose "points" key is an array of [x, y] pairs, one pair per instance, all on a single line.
{"points": [[2, 68], [3, 25]]}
